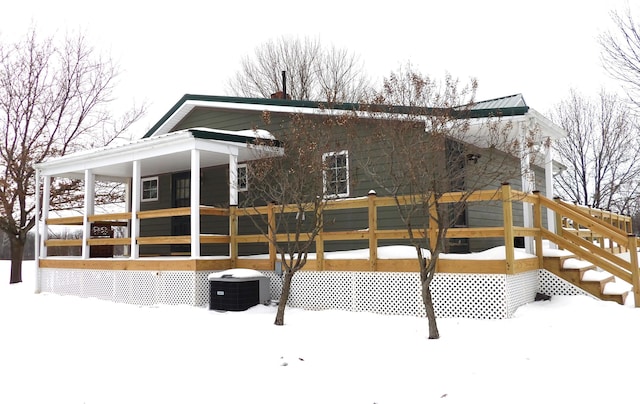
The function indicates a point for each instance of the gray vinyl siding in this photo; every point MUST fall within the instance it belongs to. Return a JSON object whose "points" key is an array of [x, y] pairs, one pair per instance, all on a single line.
{"points": [[157, 226], [215, 192], [490, 214]]}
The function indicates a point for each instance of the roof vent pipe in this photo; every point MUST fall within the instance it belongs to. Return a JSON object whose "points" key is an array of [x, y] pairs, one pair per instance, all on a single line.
{"points": [[284, 85]]}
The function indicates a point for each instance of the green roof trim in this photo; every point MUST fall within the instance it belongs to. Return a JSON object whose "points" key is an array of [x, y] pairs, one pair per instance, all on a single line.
{"points": [[460, 113], [228, 137]]}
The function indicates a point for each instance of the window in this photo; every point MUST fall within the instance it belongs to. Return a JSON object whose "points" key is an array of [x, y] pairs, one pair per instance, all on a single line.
{"points": [[243, 178], [336, 174], [149, 189]]}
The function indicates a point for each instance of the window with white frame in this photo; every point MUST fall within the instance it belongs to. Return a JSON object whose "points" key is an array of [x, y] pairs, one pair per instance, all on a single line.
{"points": [[243, 178], [149, 189], [336, 174]]}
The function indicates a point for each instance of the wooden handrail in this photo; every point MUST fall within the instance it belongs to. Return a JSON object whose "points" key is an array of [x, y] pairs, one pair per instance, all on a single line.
{"points": [[586, 227], [589, 223], [620, 271], [590, 216]]}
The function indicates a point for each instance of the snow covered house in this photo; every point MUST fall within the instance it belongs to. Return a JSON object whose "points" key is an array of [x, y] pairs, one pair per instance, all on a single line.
{"points": [[185, 177]]}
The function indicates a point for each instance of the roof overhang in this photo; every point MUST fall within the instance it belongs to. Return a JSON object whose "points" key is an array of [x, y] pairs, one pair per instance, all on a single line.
{"points": [[162, 154], [190, 101]]}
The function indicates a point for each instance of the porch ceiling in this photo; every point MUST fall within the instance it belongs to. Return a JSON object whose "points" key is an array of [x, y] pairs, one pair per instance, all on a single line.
{"points": [[159, 154]]}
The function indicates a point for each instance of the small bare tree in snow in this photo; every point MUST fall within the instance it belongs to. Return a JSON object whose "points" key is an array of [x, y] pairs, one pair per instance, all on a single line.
{"points": [[423, 145], [294, 186]]}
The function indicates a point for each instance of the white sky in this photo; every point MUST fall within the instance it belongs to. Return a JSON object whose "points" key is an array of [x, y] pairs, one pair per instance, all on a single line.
{"points": [[166, 49]]}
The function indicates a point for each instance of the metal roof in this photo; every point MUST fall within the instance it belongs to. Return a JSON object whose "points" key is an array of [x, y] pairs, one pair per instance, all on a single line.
{"points": [[510, 101], [514, 106]]}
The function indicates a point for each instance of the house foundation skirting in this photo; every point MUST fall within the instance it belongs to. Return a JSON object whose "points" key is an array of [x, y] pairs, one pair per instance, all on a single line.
{"points": [[491, 296], [145, 288], [552, 285], [481, 296]]}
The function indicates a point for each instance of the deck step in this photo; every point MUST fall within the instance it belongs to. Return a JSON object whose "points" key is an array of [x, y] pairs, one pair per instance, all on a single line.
{"points": [[587, 277]]}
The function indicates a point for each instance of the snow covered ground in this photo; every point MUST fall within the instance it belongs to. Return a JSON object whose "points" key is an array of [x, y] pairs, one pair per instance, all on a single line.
{"points": [[70, 350]]}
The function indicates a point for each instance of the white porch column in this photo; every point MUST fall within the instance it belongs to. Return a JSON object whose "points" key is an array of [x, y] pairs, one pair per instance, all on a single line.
{"points": [[548, 178], [36, 241], [127, 209], [135, 208], [527, 184], [195, 203], [233, 179], [46, 197], [89, 203], [233, 203]]}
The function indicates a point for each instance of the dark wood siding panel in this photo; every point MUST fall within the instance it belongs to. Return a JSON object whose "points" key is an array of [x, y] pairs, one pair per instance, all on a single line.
{"points": [[158, 226]]}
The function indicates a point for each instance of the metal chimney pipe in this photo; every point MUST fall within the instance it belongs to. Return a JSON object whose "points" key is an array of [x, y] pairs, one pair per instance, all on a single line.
{"points": [[284, 84]]}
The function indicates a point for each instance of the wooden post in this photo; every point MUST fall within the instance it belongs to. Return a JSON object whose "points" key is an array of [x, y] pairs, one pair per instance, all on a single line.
{"points": [[373, 228], [320, 246], [537, 223], [632, 245], [233, 232], [559, 222], [271, 222], [507, 212]]}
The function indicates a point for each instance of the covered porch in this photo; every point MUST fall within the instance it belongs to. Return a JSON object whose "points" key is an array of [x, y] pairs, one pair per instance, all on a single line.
{"points": [[185, 151]]}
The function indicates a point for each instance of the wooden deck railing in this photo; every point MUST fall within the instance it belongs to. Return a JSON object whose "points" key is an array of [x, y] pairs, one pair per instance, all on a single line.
{"points": [[589, 233]]}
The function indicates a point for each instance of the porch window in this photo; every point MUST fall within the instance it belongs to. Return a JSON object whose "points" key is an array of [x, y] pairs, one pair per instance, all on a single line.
{"points": [[149, 189], [243, 180], [336, 174]]}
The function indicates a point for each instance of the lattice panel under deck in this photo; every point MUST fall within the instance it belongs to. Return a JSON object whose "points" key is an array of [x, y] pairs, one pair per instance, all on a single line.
{"points": [[388, 293], [553, 285], [521, 289], [202, 288], [469, 295], [132, 287], [455, 295]]}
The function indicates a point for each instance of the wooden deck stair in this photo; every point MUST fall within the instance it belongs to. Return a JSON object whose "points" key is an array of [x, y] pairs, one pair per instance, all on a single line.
{"points": [[587, 277]]}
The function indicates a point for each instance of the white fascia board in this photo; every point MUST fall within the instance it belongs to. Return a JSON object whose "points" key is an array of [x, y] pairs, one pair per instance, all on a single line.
{"points": [[547, 126], [174, 118], [189, 105], [141, 150], [217, 146]]}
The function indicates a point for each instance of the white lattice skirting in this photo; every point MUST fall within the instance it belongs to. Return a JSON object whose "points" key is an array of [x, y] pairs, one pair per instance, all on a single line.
{"points": [[552, 285], [455, 295]]}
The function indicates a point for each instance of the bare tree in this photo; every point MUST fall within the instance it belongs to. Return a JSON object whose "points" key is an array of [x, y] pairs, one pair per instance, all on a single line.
{"points": [[423, 145], [314, 72], [620, 53], [601, 151], [294, 186], [53, 100]]}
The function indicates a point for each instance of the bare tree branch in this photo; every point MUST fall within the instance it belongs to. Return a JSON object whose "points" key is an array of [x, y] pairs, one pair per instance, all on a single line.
{"points": [[313, 72], [620, 52], [419, 150], [53, 101], [601, 151]]}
